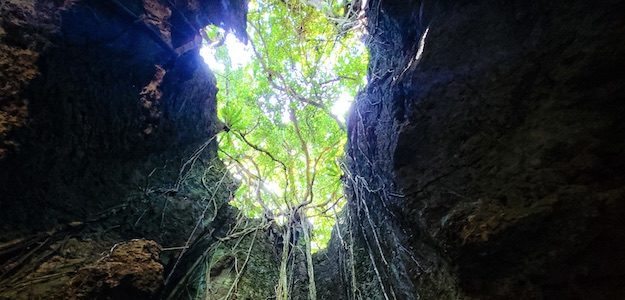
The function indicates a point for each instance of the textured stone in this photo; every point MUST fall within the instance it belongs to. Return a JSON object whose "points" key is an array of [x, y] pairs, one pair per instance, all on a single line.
{"points": [[130, 271], [488, 164], [73, 140]]}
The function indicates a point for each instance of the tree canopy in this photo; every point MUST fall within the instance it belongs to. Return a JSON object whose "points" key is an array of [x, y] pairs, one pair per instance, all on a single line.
{"points": [[283, 97]]}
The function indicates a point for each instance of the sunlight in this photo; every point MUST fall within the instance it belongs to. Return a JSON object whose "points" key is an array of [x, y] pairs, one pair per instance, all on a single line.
{"points": [[208, 54], [273, 187], [239, 54], [341, 106], [286, 118], [273, 100]]}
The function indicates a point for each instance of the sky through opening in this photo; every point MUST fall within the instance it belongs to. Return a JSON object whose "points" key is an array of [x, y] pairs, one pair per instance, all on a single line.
{"points": [[285, 96]]}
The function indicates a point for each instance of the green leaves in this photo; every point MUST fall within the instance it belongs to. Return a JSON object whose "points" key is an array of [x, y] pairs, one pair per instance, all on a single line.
{"points": [[277, 95]]}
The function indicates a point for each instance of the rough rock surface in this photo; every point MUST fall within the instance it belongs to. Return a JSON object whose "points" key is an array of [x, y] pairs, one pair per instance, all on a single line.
{"points": [[107, 119], [131, 270], [487, 153], [23, 29], [86, 269], [234, 259], [120, 119]]}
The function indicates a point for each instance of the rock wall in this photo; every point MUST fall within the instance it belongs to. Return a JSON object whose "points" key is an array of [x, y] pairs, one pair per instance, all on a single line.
{"points": [[118, 107], [107, 126], [486, 154]]}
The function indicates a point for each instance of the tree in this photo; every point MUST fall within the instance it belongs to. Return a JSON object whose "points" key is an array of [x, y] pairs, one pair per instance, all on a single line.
{"points": [[285, 142]]}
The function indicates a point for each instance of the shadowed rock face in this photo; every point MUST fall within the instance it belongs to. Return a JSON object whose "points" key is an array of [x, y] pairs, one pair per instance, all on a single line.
{"points": [[107, 119], [129, 271], [486, 155], [103, 104], [489, 154]]}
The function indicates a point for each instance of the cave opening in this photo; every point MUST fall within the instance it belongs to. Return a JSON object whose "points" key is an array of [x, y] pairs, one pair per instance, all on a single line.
{"points": [[283, 97], [200, 149]]}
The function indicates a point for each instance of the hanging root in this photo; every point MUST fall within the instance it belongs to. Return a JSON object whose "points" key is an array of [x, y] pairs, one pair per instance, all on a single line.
{"points": [[239, 272], [197, 225]]}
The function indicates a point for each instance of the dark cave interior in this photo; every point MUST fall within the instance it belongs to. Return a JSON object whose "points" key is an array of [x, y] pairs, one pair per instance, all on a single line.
{"points": [[484, 162]]}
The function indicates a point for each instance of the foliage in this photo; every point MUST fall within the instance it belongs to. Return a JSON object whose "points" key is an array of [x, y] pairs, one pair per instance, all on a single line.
{"points": [[284, 141]]}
